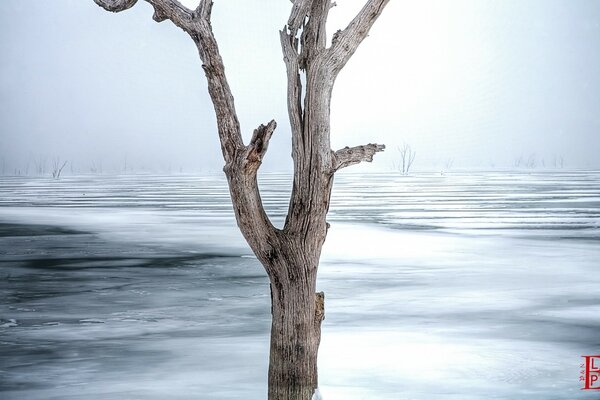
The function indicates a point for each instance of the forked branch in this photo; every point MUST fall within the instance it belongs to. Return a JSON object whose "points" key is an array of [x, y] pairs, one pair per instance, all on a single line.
{"points": [[354, 155]]}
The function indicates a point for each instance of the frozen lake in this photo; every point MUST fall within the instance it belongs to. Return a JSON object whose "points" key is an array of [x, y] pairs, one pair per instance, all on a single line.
{"points": [[461, 286]]}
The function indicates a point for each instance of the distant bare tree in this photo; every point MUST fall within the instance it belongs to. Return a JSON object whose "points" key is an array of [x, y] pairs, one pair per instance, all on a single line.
{"points": [[518, 161], [96, 167], [558, 161], [531, 161], [57, 167], [449, 164], [407, 156]]}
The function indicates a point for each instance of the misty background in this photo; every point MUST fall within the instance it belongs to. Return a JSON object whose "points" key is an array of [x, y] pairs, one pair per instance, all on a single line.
{"points": [[469, 83]]}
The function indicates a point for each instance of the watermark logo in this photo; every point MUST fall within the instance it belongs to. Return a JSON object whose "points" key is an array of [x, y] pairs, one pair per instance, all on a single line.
{"points": [[590, 373]]}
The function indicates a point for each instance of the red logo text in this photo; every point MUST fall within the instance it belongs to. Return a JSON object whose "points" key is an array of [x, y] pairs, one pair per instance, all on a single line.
{"points": [[590, 373]]}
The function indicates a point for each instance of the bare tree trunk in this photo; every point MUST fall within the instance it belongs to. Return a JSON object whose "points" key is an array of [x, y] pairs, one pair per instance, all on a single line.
{"points": [[297, 312], [291, 260], [290, 255]]}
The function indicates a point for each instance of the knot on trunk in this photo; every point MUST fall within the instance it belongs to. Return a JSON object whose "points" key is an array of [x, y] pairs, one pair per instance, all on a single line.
{"points": [[319, 307]]}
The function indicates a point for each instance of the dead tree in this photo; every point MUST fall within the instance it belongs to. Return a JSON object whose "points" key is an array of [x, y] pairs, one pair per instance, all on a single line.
{"points": [[449, 164], [531, 161], [558, 162], [57, 167], [407, 155], [518, 161], [96, 167], [289, 255]]}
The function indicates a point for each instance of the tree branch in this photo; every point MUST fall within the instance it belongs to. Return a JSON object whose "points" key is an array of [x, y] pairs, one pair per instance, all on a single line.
{"points": [[259, 143], [299, 11], [116, 5], [314, 37], [294, 90], [354, 155], [173, 10], [204, 9], [241, 162], [346, 42]]}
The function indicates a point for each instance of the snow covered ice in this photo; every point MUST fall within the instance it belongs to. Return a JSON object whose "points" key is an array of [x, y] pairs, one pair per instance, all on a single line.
{"points": [[462, 286]]}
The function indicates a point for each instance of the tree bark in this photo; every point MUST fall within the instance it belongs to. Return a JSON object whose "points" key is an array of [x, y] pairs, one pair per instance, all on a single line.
{"points": [[297, 312], [290, 255]]}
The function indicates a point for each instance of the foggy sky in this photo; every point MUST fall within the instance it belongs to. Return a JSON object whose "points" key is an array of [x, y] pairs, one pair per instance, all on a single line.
{"points": [[478, 82]]}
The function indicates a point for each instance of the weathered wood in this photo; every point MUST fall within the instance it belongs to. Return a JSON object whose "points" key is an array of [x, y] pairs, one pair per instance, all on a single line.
{"points": [[290, 255], [116, 5], [347, 41], [296, 322], [354, 155], [297, 16]]}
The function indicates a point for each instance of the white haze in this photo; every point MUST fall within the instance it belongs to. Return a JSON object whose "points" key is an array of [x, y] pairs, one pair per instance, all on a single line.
{"points": [[471, 83]]}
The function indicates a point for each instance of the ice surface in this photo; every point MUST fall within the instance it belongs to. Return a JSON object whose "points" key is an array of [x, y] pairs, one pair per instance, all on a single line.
{"points": [[457, 286]]}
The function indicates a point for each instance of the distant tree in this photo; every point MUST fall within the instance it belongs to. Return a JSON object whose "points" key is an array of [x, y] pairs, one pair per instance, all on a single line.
{"points": [[531, 161], [449, 164], [290, 255], [407, 157], [96, 167], [57, 167], [558, 161], [518, 161]]}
